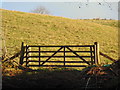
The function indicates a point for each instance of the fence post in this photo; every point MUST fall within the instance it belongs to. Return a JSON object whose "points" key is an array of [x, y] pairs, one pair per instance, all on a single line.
{"points": [[22, 53], [97, 53]]}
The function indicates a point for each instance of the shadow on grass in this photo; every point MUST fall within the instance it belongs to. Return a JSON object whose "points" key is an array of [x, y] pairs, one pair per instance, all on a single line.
{"points": [[45, 78], [60, 78]]}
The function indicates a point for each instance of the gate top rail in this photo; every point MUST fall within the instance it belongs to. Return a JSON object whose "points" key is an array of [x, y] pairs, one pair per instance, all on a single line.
{"points": [[61, 46]]}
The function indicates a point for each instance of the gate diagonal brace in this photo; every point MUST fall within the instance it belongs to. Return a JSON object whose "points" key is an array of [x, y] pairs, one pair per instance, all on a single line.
{"points": [[52, 55], [78, 55]]}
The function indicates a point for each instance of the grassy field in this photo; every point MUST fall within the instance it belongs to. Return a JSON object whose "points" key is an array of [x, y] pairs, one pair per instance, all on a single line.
{"points": [[113, 23], [36, 29]]}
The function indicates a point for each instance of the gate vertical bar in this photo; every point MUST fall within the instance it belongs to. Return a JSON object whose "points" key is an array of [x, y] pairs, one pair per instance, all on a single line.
{"points": [[29, 54], [26, 55], [91, 54], [39, 56], [64, 56], [94, 53]]}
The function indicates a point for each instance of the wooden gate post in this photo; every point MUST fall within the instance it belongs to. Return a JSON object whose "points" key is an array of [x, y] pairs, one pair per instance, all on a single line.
{"points": [[22, 53], [97, 53]]}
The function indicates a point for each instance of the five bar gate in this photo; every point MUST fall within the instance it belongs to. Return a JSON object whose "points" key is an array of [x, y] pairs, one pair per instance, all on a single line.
{"points": [[26, 56]]}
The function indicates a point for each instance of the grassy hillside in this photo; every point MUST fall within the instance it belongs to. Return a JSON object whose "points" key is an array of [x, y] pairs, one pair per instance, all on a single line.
{"points": [[38, 29], [113, 23]]}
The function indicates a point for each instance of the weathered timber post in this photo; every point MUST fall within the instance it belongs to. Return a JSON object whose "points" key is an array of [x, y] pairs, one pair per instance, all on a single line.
{"points": [[22, 53], [97, 53]]}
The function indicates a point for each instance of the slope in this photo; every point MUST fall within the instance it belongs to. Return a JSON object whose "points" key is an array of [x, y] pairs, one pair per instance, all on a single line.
{"points": [[39, 29]]}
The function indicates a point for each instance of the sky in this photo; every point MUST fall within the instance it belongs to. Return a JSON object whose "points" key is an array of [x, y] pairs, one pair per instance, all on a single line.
{"points": [[59, 0], [74, 10]]}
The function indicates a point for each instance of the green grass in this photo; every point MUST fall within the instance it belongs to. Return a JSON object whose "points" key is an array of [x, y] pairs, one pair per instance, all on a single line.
{"points": [[36, 29]]}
